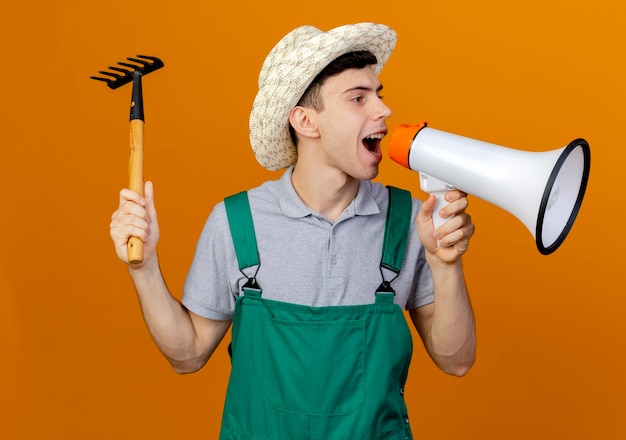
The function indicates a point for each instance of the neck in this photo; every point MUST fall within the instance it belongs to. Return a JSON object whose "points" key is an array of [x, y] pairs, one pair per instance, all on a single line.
{"points": [[328, 192]]}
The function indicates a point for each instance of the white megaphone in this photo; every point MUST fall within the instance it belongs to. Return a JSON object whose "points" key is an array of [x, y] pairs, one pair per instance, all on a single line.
{"points": [[542, 189]]}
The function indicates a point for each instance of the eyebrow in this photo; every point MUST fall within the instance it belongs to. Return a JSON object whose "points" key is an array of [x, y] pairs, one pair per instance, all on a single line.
{"points": [[365, 88]]}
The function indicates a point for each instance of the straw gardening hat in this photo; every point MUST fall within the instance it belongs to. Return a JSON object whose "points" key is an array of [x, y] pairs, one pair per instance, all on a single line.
{"points": [[290, 68]]}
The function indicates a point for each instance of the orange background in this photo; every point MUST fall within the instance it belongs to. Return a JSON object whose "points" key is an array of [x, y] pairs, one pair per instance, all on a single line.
{"points": [[76, 359]]}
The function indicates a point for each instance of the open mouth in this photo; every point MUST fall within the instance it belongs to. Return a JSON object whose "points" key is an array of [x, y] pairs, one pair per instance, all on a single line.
{"points": [[372, 142]]}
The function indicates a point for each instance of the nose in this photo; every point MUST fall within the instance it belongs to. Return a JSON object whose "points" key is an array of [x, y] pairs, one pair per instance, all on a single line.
{"points": [[382, 111]]}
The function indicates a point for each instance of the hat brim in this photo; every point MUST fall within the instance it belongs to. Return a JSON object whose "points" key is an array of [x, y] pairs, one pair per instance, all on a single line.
{"points": [[287, 81]]}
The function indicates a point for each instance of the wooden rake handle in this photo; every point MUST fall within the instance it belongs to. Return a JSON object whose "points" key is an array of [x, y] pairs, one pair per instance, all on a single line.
{"points": [[135, 162], [135, 182]]}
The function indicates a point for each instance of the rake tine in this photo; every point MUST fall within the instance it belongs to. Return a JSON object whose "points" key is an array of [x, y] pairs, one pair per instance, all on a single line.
{"points": [[155, 60], [119, 69], [107, 80], [100, 79], [148, 64], [138, 61], [114, 75], [132, 66]]}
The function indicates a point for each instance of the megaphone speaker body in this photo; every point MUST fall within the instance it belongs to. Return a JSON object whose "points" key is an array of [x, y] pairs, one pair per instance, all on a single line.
{"points": [[544, 190]]}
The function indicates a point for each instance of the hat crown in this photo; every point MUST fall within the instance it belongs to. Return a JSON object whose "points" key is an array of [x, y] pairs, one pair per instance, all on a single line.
{"points": [[286, 46]]}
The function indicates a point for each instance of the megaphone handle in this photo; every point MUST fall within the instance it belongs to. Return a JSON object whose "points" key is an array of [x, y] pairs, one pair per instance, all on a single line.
{"points": [[439, 204], [438, 188]]}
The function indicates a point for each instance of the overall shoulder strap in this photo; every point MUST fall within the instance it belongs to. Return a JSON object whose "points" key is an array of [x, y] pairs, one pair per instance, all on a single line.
{"points": [[242, 229], [396, 228]]}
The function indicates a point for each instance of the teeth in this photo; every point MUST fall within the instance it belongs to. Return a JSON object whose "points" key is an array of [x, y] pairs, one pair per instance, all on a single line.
{"points": [[372, 141]]}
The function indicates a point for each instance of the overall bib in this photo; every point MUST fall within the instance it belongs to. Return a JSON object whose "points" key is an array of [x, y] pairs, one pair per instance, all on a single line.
{"points": [[318, 373]]}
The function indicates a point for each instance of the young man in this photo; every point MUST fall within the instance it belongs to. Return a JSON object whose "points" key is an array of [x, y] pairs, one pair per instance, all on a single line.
{"points": [[308, 268]]}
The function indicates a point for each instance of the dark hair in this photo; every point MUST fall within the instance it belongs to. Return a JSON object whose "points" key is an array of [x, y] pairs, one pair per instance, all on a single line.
{"points": [[351, 60]]}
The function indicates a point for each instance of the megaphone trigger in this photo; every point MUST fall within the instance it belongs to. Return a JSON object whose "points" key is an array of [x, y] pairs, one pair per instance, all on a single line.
{"points": [[438, 188]]}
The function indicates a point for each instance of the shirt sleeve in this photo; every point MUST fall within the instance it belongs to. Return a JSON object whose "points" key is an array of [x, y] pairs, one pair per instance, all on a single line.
{"points": [[211, 285]]}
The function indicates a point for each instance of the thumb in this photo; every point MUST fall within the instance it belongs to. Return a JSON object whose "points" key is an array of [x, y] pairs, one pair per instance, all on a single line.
{"points": [[149, 198], [153, 222], [425, 214], [425, 224]]}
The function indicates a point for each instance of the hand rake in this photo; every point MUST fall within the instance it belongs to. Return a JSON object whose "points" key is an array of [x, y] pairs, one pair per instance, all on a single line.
{"points": [[142, 65]]}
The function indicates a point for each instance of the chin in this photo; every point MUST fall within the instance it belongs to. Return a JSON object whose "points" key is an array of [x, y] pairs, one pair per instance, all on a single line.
{"points": [[368, 173]]}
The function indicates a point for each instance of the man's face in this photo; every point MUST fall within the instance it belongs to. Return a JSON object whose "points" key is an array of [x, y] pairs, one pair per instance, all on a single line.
{"points": [[352, 122]]}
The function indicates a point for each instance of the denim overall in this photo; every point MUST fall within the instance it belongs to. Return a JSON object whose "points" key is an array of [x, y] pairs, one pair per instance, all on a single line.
{"points": [[318, 373]]}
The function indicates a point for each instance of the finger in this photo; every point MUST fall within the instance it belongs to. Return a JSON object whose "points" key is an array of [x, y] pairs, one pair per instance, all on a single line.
{"points": [[129, 209], [446, 234], [453, 208], [125, 226], [139, 219], [455, 194], [462, 233], [130, 213], [130, 195]]}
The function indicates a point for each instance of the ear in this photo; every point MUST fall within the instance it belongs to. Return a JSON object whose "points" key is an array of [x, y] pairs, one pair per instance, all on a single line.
{"points": [[304, 122]]}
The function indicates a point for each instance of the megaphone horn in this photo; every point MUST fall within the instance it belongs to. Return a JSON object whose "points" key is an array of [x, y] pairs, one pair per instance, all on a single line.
{"points": [[544, 190]]}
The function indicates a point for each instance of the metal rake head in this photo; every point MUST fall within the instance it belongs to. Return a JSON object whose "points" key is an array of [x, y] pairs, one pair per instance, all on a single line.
{"points": [[143, 64]]}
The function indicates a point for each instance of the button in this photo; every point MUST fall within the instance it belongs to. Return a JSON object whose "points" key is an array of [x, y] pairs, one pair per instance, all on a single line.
{"points": [[402, 391], [406, 420]]}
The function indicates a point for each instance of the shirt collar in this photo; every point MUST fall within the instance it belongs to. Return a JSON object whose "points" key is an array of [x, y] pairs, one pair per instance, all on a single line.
{"points": [[292, 206]]}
